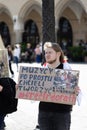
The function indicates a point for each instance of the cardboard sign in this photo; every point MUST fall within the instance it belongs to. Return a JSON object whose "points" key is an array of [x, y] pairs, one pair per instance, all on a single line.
{"points": [[1, 43], [4, 70], [47, 84]]}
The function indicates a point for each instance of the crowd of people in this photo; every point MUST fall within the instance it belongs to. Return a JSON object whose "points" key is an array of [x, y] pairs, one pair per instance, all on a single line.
{"points": [[51, 116], [31, 54], [28, 56]]}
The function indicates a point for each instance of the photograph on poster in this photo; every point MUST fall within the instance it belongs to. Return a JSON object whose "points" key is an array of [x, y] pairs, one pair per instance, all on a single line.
{"points": [[47, 84]]}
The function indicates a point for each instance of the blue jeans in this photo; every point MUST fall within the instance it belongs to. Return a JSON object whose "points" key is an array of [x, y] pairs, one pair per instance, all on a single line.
{"points": [[16, 59], [2, 116], [54, 121]]}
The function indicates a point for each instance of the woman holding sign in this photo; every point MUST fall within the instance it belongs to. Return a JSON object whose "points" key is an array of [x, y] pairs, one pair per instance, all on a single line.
{"points": [[54, 116]]}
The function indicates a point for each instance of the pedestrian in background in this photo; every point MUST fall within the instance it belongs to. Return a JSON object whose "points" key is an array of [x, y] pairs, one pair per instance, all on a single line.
{"points": [[28, 53], [16, 55], [38, 55], [10, 59]]}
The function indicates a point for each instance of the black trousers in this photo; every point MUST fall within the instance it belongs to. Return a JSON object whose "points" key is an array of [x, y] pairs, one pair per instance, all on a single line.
{"points": [[10, 67]]}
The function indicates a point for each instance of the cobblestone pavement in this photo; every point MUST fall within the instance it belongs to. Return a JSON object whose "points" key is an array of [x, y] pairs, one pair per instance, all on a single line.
{"points": [[26, 116]]}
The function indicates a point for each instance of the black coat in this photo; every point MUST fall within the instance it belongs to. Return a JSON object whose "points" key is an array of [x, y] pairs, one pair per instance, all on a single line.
{"points": [[7, 94]]}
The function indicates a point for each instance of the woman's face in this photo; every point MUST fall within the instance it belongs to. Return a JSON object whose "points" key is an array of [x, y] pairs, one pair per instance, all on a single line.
{"points": [[51, 55]]}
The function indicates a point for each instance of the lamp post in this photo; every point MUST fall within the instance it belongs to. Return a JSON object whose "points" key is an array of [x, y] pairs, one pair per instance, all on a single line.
{"points": [[48, 22]]}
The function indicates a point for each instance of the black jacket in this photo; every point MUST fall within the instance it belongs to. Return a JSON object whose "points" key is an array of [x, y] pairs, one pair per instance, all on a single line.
{"points": [[7, 95]]}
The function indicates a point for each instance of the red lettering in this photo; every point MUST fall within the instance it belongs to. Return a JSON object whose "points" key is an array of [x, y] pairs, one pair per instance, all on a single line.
{"points": [[54, 97], [30, 95], [58, 97], [21, 95], [65, 98], [72, 99]]}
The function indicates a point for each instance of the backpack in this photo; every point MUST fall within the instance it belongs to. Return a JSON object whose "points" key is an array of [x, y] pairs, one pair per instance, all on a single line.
{"points": [[9, 103]]}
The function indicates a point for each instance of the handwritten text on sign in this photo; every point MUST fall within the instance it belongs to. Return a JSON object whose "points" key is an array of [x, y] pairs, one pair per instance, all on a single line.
{"points": [[46, 84]]}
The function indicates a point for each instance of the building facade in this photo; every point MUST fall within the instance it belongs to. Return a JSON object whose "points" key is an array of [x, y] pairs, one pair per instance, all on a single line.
{"points": [[21, 21]]}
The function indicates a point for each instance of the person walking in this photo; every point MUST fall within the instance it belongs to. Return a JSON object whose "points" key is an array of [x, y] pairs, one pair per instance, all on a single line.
{"points": [[38, 54], [16, 55], [54, 116], [10, 59], [28, 53]]}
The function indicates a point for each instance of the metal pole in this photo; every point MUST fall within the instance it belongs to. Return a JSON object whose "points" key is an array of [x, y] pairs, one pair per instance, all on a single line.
{"points": [[48, 22]]}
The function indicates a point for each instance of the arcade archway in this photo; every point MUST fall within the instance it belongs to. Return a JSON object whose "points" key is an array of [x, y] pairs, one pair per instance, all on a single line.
{"points": [[30, 34], [4, 32], [64, 34]]}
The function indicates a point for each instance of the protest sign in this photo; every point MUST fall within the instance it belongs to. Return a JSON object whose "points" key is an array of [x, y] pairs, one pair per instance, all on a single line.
{"points": [[4, 71], [1, 43], [47, 84]]}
